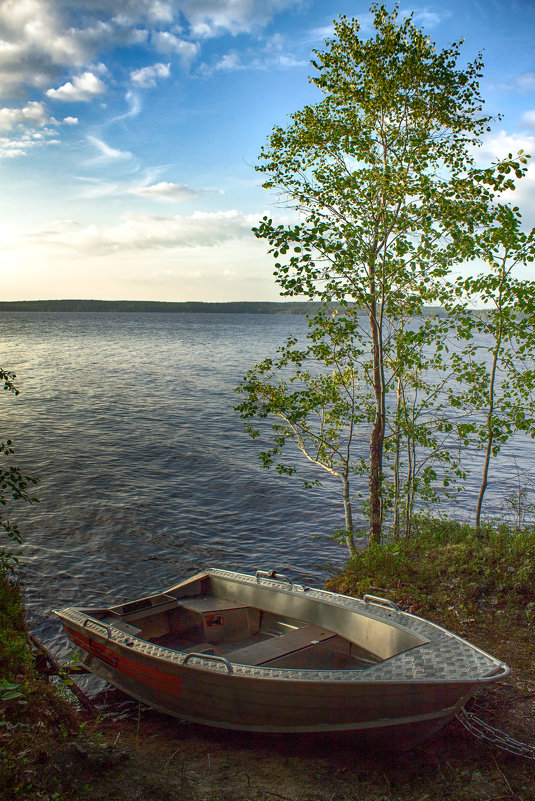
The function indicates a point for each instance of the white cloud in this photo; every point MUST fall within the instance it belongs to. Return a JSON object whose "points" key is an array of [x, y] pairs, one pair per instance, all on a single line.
{"points": [[14, 146], [45, 42], [70, 120], [33, 114], [497, 146], [166, 42], [210, 18], [147, 77], [169, 192], [40, 39], [83, 88], [144, 232]]}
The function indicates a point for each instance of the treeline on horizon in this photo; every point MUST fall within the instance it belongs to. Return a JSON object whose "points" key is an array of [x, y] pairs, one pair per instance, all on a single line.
{"points": [[236, 307], [192, 306]]}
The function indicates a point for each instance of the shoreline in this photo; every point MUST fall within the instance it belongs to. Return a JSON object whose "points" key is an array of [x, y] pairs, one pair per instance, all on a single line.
{"points": [[128, 751]]}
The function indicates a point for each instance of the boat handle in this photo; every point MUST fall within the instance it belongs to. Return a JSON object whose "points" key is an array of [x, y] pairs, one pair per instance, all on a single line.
{"points": [[376, 599], [273, 575], [97, 623], [501, 671], [213, 657]]}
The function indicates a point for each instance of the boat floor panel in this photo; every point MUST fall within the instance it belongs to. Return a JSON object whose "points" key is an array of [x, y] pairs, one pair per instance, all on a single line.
{"points": [[259, 653]]}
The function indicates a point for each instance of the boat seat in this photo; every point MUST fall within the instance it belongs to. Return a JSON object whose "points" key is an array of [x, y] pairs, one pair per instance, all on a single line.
{"points": [[127, 628], [260, 653]]}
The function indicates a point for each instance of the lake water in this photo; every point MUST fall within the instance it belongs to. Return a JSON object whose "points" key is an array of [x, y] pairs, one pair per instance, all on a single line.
{"points": [[145, 472]]}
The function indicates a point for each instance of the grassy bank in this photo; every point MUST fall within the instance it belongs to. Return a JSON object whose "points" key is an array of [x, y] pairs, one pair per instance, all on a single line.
{"points": [[479, 585]]}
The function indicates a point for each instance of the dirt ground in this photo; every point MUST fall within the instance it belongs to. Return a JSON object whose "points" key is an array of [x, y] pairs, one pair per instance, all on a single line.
{"points": [[136, 754]]}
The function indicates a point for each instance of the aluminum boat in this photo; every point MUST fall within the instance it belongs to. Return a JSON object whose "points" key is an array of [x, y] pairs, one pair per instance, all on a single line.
{"points": [[260, 653]]}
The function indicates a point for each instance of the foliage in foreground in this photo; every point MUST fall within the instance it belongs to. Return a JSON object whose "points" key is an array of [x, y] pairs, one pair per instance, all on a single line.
{"points": [[14, 485], [31, 710]]}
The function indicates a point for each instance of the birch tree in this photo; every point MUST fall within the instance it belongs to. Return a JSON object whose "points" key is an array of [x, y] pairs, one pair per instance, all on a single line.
{"points": [[380, 174], [496, 368], [314, 401]]}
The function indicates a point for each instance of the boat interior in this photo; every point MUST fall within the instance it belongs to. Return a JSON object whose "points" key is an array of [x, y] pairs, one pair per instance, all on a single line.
{"points": [[252, 625]]}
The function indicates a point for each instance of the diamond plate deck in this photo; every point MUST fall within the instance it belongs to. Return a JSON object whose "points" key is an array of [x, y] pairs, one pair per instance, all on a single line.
{"points": [[444, 658]]}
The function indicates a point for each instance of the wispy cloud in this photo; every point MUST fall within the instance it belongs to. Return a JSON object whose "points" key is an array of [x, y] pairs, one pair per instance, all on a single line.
{"points": [[106, 152], [229, 62], [167, 42], [147, 77], [522, 83], [273, 54], [209, 18], [169, 192], [143, 232], [426, 18]]}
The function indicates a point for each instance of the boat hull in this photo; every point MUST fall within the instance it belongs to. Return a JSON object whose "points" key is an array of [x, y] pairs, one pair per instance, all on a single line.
{"points": [[211, 690], [262, 704]]}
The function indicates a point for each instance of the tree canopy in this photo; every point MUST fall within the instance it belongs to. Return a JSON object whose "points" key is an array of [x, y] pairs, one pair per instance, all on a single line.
{"points": [[387, 199]]}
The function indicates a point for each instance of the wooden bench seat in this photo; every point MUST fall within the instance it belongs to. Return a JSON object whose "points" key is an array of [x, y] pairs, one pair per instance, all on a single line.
{"points": [[260, 653]]}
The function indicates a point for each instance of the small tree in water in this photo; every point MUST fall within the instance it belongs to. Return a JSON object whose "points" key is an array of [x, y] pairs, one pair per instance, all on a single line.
{"points": [[496, 367], [315, 401]]}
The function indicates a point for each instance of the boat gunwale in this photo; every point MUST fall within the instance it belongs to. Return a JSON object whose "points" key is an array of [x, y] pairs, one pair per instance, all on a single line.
{"points": [[136, 645]]}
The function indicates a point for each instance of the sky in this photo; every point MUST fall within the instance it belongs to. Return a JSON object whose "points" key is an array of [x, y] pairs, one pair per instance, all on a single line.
{"points": [[129, 131]]}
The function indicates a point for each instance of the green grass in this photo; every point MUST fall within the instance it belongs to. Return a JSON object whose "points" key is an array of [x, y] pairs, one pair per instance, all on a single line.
{"points": [[449, 562], [474, 582]]}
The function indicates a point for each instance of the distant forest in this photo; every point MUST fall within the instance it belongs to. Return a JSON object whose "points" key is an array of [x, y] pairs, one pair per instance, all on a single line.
{"points": [[235, 307]]}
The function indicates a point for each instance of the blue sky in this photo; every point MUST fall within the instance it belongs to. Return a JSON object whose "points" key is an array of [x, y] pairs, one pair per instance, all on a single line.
{"points": [[129, 130]]}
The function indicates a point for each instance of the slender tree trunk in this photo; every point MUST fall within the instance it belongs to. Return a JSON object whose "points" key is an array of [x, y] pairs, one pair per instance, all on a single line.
{"points": [[350, 542], [411, 483], [397, 466], [490, 412], [378, 429], [490, 436], [484, 479]]}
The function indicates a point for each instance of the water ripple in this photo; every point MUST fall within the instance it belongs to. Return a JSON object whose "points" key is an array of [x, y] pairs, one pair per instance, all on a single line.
{"points": [[145, 472]]}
